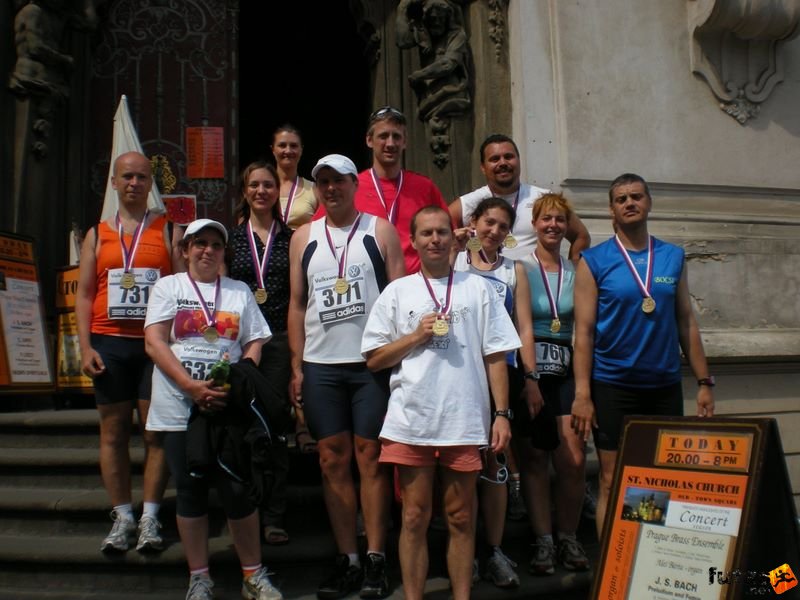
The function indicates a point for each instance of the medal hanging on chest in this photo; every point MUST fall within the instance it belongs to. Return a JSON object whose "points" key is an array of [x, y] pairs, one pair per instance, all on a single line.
{"points": [[440, 325], [128, 279], [648, 302], [260, 266], [555, 322], [341, 286], [511, 242], [210, 333]]}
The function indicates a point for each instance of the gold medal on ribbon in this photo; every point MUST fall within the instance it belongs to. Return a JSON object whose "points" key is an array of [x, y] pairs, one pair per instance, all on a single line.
{"points": [[648, 305], [210, 334], [510, 241], [341, 286], [555, 326], [473, 244], [440, 327], [261, 295], [128, 280]]}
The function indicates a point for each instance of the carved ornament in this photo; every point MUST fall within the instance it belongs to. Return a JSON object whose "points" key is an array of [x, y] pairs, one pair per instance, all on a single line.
{"points": [[735, 45]]}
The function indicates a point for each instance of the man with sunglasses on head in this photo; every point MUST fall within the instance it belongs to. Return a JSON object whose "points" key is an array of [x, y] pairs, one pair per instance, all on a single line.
{"points": [[445, 335], [500, 165], [386, 189]]}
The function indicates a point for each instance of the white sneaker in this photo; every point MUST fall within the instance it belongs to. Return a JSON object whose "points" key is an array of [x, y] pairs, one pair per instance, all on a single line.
{"points": [[149, 535], [259, 587], [118, 539], [200, 588]]}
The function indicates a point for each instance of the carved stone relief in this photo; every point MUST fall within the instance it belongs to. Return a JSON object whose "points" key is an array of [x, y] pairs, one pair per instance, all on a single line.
{"points": [[736, 45], [443, 82]]}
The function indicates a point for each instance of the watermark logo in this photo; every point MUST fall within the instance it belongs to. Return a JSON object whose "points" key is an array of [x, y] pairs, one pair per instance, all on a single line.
{"points": [[782, 579]]}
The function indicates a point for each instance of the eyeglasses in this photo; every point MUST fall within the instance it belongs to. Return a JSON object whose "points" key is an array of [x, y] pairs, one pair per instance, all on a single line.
{"points": [[203, 244], [494, 469], [387, 112]]}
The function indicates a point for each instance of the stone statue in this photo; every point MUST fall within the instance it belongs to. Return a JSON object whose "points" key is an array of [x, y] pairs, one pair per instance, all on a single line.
{"points": [[443, 83], [41, 68]]}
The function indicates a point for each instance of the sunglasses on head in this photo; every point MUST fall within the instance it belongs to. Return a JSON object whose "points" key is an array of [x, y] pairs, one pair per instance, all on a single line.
{"points": [[386, 111], [494, 469]]}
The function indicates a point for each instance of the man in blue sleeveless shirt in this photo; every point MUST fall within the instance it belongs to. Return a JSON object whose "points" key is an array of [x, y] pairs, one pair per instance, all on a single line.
{"points": [[633, 316]]}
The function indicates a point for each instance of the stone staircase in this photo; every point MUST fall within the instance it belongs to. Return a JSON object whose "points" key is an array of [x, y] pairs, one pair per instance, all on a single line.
{"points": [[54, 513]]}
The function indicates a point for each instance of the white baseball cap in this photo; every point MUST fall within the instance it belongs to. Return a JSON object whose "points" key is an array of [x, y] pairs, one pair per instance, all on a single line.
{"points": [[196, 226], [338, 162]]}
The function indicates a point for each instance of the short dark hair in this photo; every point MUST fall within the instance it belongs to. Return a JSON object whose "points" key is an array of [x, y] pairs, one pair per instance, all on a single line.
{"points": [[626, 178], [288, 128], [494, 202], [427, 210], [496, 138]]}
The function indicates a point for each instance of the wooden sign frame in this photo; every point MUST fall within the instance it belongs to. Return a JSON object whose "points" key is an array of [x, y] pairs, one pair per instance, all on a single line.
{"points": [[700, 509]]}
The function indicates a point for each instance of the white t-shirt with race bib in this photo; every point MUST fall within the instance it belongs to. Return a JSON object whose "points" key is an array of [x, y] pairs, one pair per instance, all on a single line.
{"points": [[239, 321]]}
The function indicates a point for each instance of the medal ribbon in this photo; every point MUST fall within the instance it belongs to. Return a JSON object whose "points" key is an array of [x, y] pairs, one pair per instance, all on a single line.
{"points": [[128, 254], [290, 200], [442, 309], [261, 267], [342, 260], [644, 289], [391, 213], [210, 318], [553, 300], [514, 204]]}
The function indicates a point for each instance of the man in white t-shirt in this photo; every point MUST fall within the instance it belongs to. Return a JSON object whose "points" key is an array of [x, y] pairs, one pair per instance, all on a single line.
{"points": [[500, 166], [442, 332]]}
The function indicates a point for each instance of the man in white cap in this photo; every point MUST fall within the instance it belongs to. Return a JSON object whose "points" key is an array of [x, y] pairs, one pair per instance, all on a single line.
{"points": [[338, 266]]}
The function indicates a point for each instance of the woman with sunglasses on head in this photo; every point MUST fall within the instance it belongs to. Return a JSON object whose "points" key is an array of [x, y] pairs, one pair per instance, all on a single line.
{"points": [[297, 201], [193, 319], [550, 435], [483, 240], [259, 256]]}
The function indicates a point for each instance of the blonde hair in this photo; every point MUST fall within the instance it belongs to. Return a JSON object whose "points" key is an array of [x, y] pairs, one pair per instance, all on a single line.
{"points": [[552, 200]]}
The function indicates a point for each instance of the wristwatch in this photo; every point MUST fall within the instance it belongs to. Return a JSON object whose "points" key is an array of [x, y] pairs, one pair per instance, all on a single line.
{"points": [[709, 381], [507, 413], [532, 375]]}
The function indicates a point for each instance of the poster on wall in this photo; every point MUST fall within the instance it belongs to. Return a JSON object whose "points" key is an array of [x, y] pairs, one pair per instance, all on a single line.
{"points": [[205, 153], [69, 376], [25, 359]]}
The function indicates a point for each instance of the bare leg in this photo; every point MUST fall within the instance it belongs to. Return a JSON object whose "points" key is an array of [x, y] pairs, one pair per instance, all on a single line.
{"points": [[156, 473], [245, 539], [608, 458], [416, 484], [375, 492], [569, 461], [115, 460], [194, 537], [458, 488], [335, 454]]}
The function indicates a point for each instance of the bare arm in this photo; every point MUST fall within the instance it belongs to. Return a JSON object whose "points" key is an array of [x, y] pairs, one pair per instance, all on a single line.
{"points": [[178, 262], [583, 413], [392, 353], [578, 237], [156, 344], [692, 346], [297, 313], [498, 384], [523, 319], [252, 350], [392, 251], [456, 213], [91, 363]]}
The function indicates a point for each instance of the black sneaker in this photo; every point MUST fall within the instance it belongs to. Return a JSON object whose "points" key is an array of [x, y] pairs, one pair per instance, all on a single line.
{"points": [[375, 585], [345, 578]]}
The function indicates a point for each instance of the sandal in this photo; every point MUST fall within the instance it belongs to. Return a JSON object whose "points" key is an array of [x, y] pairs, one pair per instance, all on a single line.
{"points": [[275, 536], [304, 442]]}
